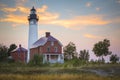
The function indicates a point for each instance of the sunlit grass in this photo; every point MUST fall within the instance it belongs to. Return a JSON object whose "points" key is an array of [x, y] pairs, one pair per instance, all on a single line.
{"points": [[16, 71], [55, 77]]}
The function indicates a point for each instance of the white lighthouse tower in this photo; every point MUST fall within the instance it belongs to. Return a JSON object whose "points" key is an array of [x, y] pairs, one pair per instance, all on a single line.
{"points": [[33, 30]]}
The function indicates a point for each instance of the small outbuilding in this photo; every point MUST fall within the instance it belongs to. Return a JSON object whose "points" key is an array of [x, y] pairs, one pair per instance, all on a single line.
{"points": [[19, 54]]}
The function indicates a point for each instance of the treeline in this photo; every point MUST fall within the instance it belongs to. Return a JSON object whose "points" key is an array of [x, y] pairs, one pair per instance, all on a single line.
{"points": [[71, 55], [100, 49], [5, 51]]}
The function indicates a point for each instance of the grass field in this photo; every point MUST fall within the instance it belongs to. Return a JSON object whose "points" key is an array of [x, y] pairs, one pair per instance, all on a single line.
{"points": [[55, 77], [19, 71]]}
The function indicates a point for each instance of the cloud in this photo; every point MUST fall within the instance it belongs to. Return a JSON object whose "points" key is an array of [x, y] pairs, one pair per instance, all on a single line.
{"points": [[18, 8], [43, 9], [7, 10], [23, 9], [116, 20], [118, 1], [74, 23], [97, 9], [81, 21], [20, 19], [20, 2], [46, 17], [92, 36], [88, 4], [23, 0]]}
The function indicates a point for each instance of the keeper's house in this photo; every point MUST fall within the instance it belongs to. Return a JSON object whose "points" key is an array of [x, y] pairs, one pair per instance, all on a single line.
{"points": [[49, 47]]}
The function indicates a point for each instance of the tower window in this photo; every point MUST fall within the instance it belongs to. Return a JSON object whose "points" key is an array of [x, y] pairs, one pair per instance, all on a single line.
{"points": [[33, 12]]}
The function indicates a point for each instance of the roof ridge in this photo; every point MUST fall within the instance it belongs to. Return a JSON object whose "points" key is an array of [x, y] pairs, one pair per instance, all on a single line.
{"points": [[41, 41]]}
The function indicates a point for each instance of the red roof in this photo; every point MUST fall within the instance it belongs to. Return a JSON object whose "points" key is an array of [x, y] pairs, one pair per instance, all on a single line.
{"points": [[20, 49], [45, 39]]}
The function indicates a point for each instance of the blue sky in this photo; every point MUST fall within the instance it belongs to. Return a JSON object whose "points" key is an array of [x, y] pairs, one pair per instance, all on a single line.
{"points": [[83, 22]]}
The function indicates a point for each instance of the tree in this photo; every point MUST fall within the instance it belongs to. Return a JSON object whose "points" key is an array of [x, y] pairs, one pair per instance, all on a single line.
{"points": [[3, 52], [101, 48], [11, 48], [84, 55], [70, 51], [114, 58]]}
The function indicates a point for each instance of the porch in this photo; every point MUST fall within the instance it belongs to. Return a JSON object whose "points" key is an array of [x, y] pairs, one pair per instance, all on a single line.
{"points": [[53, 58]]}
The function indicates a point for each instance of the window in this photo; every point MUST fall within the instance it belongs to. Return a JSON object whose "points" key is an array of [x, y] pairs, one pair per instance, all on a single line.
{"points": [[52, 43], [56, 49], [48, 49], [32, 12]]}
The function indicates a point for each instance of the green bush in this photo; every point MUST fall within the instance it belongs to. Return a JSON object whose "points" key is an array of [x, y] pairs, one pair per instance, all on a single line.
{"points": [[37, 60], [74, 63], [3, 53]]}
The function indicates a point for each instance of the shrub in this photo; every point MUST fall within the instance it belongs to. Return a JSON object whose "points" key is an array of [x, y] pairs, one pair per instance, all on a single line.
{"points": [[37, 60], [3, 52], [114, 58]]}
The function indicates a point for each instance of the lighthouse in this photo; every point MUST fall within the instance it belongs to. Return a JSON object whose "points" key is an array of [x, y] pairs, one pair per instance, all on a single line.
{"points": [[33, 30]]}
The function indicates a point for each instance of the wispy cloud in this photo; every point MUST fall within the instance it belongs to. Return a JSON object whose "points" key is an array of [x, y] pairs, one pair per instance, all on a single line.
{"points": [[97, 9], [7, 10], [88, 4], [23, 9], [91, 36], [43, 9], [118, 1], [20, 2], [22, 19], [81, 21], [14, 9], [46, 17]]}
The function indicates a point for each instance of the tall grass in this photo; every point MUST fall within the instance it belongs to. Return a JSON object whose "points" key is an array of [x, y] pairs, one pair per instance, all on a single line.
{"points": [[19, 71], [55, 77]]}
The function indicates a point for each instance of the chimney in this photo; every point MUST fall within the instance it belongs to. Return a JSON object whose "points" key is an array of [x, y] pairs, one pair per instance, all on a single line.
{"points": [[47, 34], [19, 45]]}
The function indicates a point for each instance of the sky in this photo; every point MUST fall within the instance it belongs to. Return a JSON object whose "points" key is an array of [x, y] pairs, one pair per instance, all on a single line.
{"points": [[83, 22]]}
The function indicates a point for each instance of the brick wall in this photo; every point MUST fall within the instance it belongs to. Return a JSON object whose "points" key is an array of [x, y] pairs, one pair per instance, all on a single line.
{"points": [[43, 49], [19, 56], [52, 48]]}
